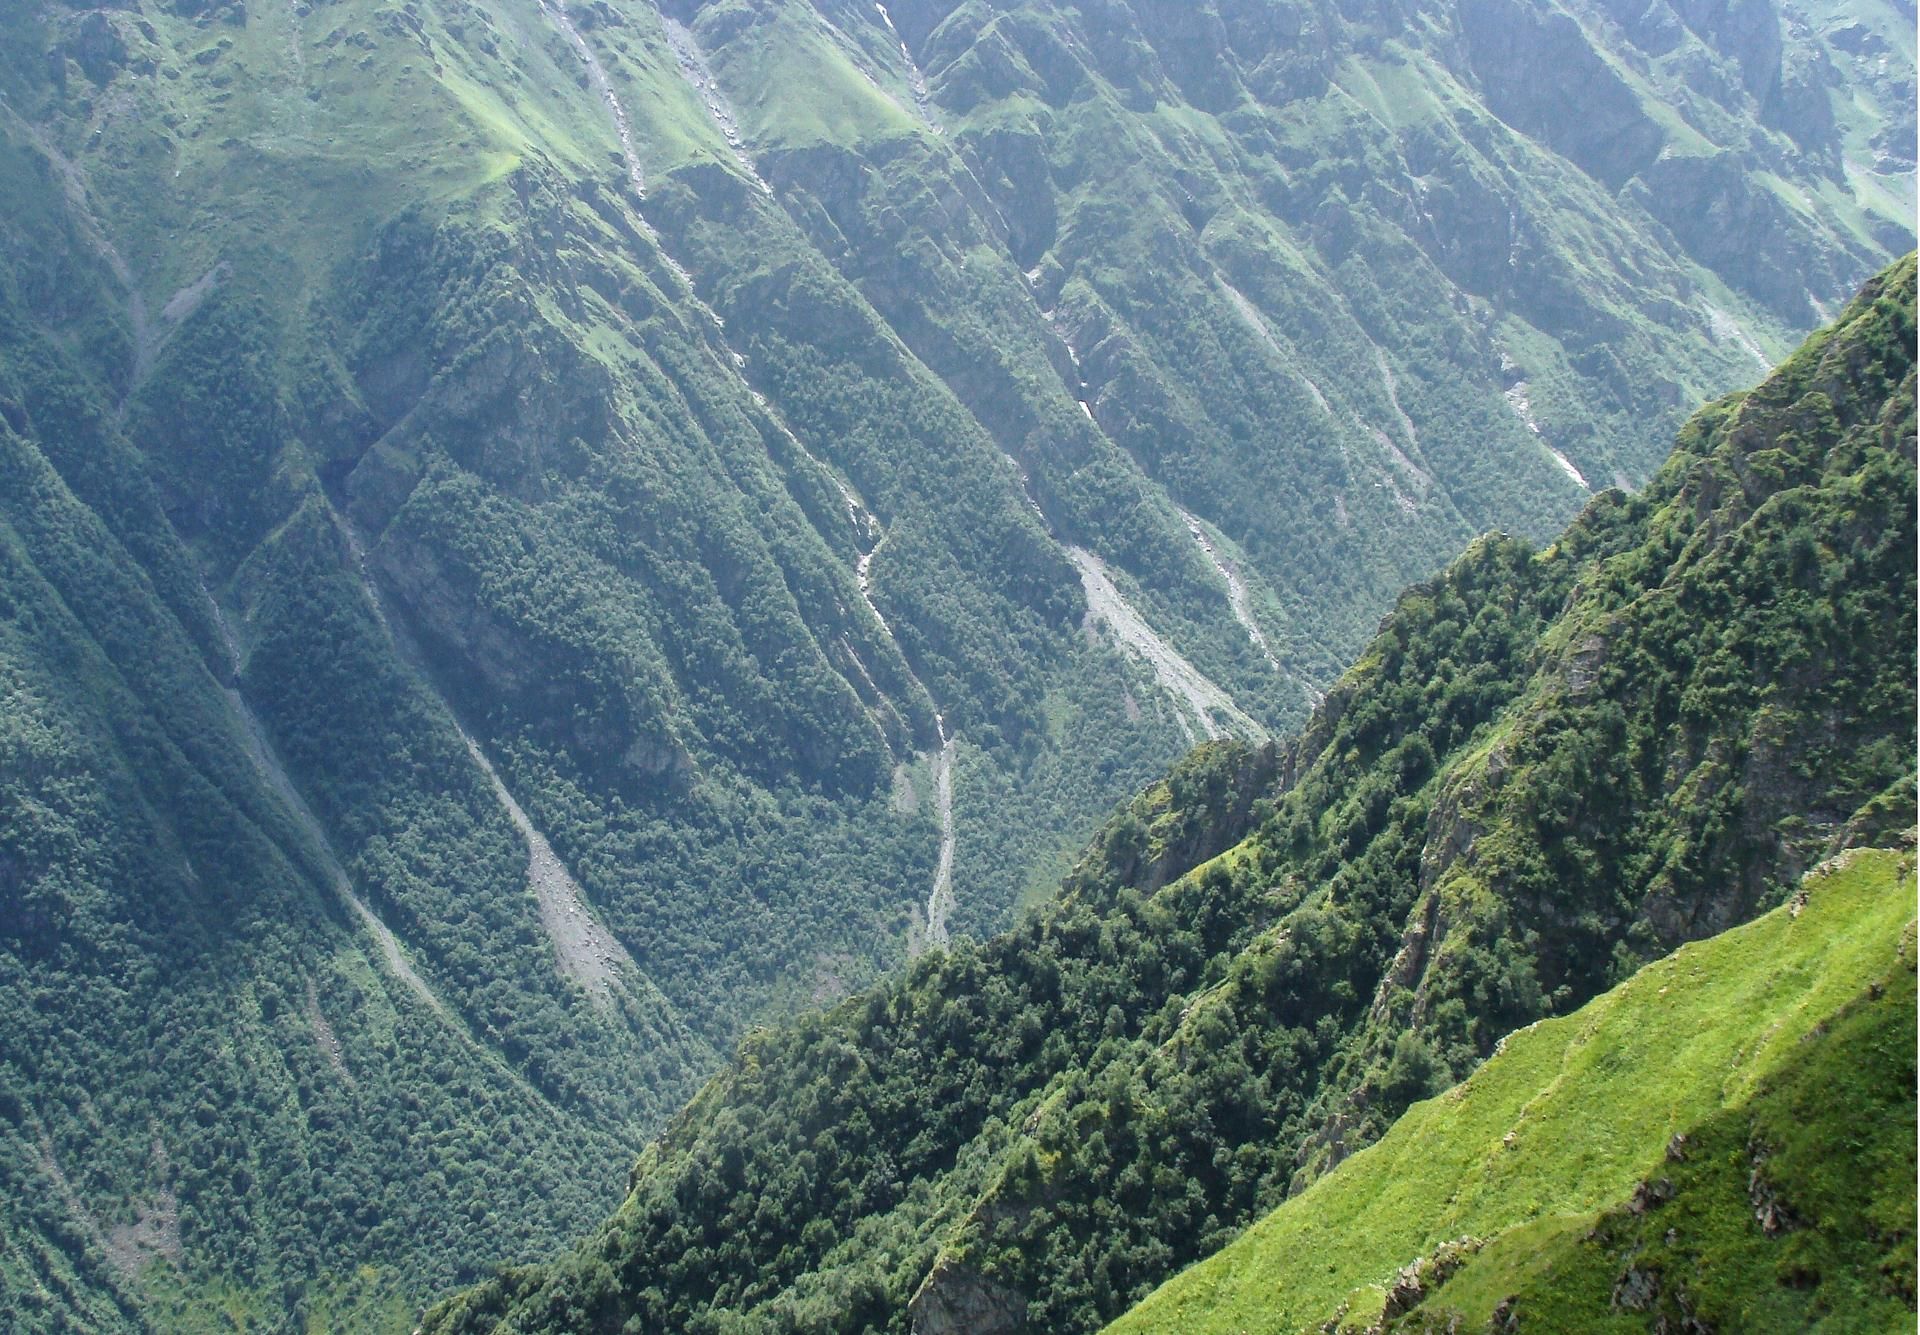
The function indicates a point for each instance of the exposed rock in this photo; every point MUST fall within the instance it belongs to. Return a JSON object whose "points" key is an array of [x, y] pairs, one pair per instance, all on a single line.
{"points": [[1541, 75], [1650, 1195], [1583, 667], [1403, 1295], [1421, 1277], [1407, 964], [96, 46], [1769, 1211], [1636, 1290], [1208, 806], [958, 1300], [1729, 221]]}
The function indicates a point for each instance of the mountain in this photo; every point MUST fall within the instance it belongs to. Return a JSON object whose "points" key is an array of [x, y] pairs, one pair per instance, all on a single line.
{"points": [[540, 537], [1550, 767], [1666, 1151]]}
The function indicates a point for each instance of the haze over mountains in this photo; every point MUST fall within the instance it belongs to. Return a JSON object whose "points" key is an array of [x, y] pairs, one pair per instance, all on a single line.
{"points": [[539, 537]]}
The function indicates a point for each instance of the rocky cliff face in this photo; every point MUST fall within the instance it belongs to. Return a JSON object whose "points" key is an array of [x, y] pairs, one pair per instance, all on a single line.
{"points": [[956, 1300]]}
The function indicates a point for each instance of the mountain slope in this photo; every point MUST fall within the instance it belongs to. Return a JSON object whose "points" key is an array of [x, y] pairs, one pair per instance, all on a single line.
{"points": [[219, 1056], [1770, 1228], [1691, 733], [1549, 767], [544, 535], [1570, 1114]]}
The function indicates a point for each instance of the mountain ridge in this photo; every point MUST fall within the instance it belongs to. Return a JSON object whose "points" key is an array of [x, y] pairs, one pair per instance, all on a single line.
{"points": [[1489, 821], [722, 420]]}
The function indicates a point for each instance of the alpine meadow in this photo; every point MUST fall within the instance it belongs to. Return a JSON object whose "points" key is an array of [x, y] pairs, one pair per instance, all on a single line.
{"points": [[957, 666]]}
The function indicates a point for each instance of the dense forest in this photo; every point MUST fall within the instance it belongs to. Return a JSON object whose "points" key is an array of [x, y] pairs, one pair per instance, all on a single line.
{"points": [[543, 541], [1549, 768]]}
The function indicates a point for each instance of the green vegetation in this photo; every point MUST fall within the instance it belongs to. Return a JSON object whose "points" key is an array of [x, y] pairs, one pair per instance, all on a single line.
{"points": [[1549, 768], [209, 1071], [1761, 1224], [441, 433], [1720, 1045]]}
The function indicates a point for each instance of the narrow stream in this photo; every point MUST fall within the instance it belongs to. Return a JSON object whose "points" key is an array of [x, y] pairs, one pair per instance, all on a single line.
{"points": [[916, 78], [622, 128], [867, 528]]}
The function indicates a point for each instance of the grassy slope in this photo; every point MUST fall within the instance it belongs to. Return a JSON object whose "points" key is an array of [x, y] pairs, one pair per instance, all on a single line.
{"points": [[1567, 1116], [1827, 1142]]}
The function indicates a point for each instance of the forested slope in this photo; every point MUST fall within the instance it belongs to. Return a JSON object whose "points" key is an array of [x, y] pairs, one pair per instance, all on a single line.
{"points": [[1550, 767], [543, 535]]}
